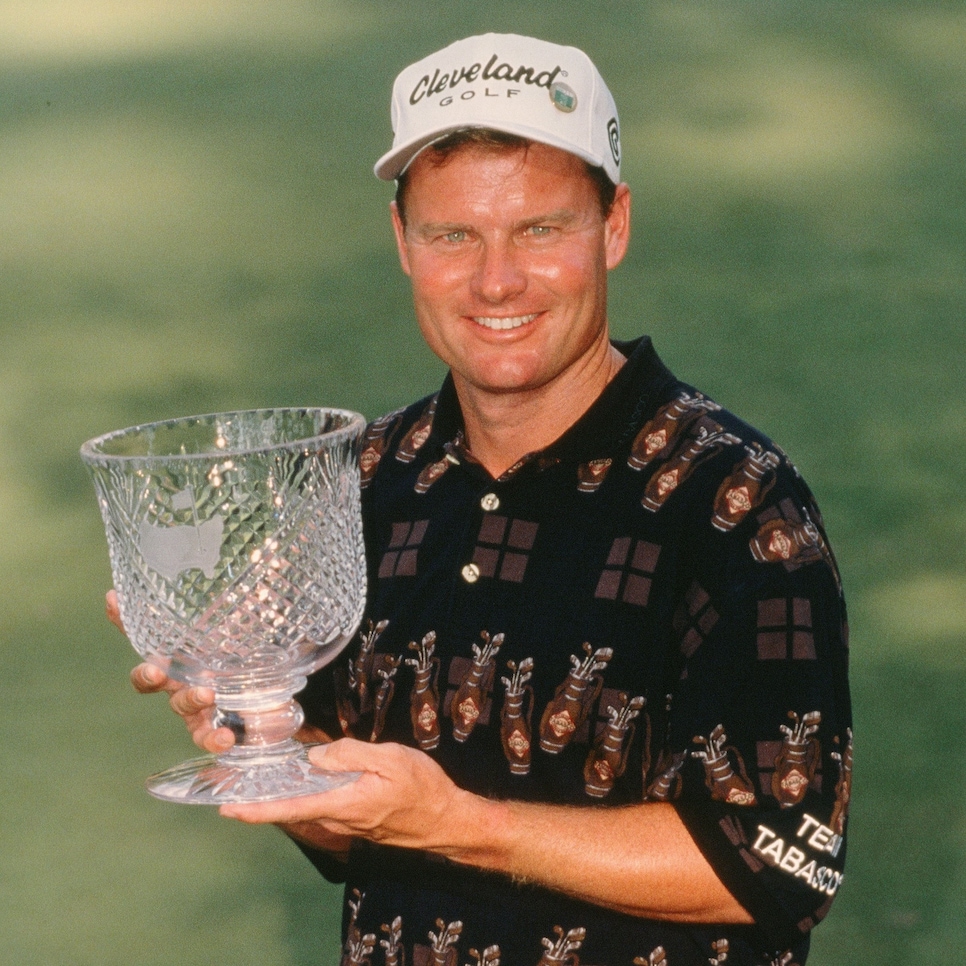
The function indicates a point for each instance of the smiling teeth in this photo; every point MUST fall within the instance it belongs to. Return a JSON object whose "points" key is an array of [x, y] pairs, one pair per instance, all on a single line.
{"points": [[513, 322]]}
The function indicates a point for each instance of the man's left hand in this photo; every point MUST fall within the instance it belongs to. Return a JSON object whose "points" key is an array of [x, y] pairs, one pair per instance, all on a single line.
{"points": [[402, 798]]}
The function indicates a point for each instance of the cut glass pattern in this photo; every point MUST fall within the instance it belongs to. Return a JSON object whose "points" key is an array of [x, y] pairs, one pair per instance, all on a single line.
{"points": [[236, 548]]}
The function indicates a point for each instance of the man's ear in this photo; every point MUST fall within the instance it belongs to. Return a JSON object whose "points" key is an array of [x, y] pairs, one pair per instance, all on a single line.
{"points": [[400, 231], [618, 226]]}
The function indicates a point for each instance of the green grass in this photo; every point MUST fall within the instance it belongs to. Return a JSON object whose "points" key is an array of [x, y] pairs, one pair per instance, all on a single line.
{"points": [[188, 222]]}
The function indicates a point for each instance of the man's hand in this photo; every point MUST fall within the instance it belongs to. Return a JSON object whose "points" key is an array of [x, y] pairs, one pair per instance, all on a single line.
{"points": [[196, 707], [402, 798]]}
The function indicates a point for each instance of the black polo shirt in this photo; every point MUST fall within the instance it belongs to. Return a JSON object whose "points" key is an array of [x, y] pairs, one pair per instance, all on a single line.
{"points": [[648, 609]]}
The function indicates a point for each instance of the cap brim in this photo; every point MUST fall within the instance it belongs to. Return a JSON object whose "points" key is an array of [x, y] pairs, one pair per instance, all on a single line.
{"points": [[392, 164]]}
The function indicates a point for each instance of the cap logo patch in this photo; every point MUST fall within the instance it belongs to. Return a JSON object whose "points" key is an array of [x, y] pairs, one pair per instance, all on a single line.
{"points": [[564, 98], [614, 137]]}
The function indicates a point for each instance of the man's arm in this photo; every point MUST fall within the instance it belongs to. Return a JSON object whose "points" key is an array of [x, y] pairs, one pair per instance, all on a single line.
{"points": [[638, 860]]}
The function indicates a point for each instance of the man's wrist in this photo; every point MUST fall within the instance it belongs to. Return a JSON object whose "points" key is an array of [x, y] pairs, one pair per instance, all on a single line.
{"points": [[479, 833]]}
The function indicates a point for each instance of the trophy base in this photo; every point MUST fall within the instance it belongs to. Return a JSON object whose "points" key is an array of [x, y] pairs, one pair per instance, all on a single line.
{"points": [[234, 777]]}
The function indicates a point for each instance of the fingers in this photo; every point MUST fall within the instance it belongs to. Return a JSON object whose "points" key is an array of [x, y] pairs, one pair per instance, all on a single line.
{"points": [[321, 810], [300, 812], [385, 759], [195, 706], [313, 835], [185, 701], [352, 758], [149, 679], [189, 701], [113, 610], [216, 741]]}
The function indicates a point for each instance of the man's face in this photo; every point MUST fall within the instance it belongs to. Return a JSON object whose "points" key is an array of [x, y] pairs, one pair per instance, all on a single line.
{"points": [[508, 253]]}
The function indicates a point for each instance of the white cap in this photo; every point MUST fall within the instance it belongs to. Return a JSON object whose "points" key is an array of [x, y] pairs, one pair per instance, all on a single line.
{"points": [[537, 90]]}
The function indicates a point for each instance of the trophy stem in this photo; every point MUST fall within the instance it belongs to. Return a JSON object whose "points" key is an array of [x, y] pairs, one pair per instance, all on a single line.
{"points": [[266, 762], [261, 722]]}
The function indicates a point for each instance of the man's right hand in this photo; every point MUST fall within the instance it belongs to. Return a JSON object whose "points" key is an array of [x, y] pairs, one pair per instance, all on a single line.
{"points": [[196, 706]]}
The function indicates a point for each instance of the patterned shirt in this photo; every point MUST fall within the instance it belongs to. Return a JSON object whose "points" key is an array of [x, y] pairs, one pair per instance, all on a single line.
{"points": [[646, 610]]}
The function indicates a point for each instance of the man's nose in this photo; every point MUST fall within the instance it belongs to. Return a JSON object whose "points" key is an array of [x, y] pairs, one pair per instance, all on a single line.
{"points": [[499, 273]]}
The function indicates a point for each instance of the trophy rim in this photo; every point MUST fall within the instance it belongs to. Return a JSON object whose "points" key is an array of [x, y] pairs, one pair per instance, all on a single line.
{"points": [[92, 453]]}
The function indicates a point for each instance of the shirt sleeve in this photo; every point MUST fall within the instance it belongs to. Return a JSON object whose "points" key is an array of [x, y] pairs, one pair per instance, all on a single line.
{"points": [[761, 711]]}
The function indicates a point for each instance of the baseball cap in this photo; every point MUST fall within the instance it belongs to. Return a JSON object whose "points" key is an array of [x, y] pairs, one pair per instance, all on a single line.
{"points": [[519, 85]]}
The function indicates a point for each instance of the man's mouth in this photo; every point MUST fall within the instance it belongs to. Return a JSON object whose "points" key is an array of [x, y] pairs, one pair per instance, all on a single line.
{"points": [[508, 322]]}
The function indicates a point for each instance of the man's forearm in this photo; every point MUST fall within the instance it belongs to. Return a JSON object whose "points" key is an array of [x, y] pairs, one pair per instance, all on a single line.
{"points": [[638, 860]]}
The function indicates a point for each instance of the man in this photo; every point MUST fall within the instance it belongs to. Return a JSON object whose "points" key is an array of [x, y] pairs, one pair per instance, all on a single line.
{"points": [[599, 705]]}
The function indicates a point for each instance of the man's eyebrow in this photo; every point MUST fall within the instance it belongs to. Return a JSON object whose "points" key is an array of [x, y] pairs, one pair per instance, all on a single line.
{"points": [[432, 228], [560, 216]]}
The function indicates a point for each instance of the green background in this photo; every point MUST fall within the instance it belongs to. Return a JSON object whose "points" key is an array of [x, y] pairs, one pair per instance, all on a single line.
{"points": [[188, 222]]}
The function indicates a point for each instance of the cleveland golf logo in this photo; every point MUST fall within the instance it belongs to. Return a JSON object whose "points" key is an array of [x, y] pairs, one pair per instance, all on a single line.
{"points": [[428, 86]]}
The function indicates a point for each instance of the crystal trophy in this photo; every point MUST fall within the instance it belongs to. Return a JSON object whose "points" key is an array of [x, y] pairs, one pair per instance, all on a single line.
{"points": [[236, 548]]}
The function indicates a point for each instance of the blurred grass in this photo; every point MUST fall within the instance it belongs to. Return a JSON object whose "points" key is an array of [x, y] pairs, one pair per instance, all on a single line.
{"points": [[188, 222]]}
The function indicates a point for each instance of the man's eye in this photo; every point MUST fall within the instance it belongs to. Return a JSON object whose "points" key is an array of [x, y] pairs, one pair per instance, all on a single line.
{"points": [[455, 236], [540, 231]]}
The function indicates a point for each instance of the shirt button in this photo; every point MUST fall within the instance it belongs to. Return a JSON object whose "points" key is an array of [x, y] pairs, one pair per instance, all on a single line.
{"points": [[490, 502], [471, 573]]}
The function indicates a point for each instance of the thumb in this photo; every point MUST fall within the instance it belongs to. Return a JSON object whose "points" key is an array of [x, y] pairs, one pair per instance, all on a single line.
{"points": [[349, 754]]}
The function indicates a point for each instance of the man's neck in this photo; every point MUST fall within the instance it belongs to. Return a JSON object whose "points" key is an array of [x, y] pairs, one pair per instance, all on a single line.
{"points": [[501, 428]]}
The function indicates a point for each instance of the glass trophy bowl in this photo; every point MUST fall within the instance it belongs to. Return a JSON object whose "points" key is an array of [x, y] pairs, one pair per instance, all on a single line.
{"points": [[236, 549]]}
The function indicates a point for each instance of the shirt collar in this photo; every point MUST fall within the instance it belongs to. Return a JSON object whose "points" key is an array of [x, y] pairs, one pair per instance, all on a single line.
{"points": [[612, 420]]}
